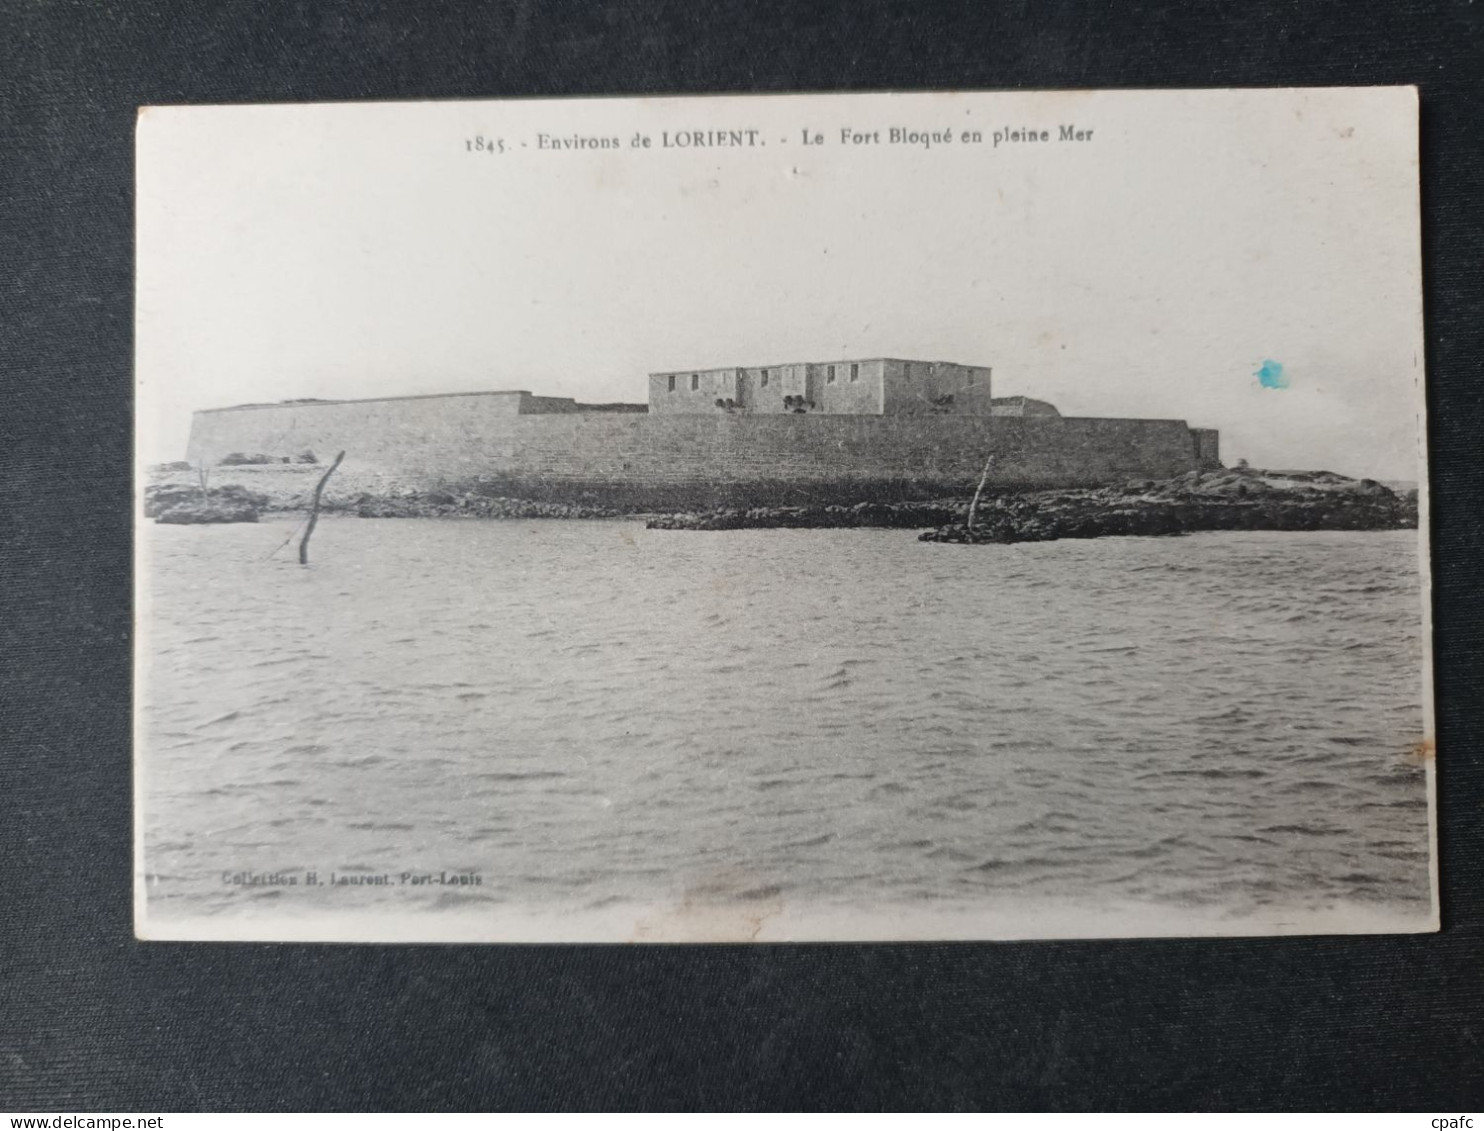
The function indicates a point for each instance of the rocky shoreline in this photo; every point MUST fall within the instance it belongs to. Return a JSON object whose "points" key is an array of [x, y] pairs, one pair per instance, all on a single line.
{"points": [[463, 504], [174, 497], [1225, 499], [183, 505], [1222, 499], [894, 516]]}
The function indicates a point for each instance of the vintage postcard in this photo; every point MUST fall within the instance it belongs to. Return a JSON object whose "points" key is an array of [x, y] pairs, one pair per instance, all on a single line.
{"points": [[889, 516]]}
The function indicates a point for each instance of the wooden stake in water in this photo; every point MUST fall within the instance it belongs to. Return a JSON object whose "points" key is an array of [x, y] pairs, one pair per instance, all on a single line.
{"points": [[974, 506], [314, 510]]}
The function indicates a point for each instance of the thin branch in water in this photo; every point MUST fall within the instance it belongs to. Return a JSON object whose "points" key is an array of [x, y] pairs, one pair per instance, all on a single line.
{"points": [[974, 506], [314, 510]]}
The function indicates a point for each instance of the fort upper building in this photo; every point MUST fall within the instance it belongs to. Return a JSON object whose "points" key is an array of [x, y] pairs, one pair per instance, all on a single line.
{"points": [[876, 386], [862, 428], [873, 386]]}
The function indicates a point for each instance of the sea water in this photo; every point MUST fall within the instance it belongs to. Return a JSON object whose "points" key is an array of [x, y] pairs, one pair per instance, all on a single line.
{"points": [[593, 717]]}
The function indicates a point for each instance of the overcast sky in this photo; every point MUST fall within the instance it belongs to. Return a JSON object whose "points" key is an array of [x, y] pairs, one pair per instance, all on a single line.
{"points": [[1148, 271]]}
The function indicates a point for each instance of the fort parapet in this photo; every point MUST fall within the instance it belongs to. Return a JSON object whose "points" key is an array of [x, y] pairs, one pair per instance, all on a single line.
{"points": [[543, 447]]}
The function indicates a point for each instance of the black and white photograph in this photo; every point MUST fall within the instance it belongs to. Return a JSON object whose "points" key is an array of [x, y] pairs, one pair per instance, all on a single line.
{"points": [[782, 518]]}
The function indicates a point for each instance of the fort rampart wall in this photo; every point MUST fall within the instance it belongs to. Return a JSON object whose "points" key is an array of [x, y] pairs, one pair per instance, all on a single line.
{"points": [[432, 442]]}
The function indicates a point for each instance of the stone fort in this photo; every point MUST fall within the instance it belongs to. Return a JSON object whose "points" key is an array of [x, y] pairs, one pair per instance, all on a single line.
{"points": [[863, 428]]}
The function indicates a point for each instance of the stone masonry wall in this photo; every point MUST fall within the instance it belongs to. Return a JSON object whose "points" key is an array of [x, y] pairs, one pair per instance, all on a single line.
{"points": [[833, 391], [1207, 446], [916, 387], [711, 385], [437, 441], [782, 381]]}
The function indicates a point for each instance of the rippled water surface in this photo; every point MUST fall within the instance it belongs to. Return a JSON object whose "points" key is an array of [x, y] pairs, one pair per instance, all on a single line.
{"points": [[590, 715]]}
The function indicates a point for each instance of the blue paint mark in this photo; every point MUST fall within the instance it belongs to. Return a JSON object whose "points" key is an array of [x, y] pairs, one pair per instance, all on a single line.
{"points": [[1270, 375]]}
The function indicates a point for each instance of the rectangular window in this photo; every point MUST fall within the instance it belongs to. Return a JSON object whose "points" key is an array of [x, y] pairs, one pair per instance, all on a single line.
{"points": [[672, 382], [830, 376], [695, 381], [855, 371], [765, 378], [906, 371]]}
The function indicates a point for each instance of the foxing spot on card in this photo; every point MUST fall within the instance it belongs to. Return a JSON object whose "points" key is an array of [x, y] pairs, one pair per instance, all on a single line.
{"points": [[912, 516]]}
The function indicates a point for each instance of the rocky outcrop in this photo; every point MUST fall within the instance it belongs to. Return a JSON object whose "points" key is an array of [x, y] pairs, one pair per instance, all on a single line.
{"points": [[199, 514], [290, 489], [258, 459], [1224, 499], [906, 515], [179, 505], [447, 504], [1227, 499]]}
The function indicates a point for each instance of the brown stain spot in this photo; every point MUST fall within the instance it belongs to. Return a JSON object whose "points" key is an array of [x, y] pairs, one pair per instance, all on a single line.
{"points": [[1423, 750], [726, 907], [1347, 132]]}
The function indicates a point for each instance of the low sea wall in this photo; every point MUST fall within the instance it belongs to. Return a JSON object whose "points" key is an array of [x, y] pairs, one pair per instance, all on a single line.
{"points": [[428, 443]]}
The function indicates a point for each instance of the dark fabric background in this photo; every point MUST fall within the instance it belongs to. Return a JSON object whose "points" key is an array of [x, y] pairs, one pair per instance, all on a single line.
{"points": [[91, 1019]]}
